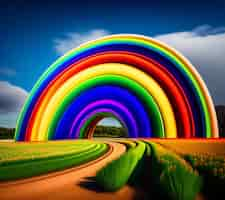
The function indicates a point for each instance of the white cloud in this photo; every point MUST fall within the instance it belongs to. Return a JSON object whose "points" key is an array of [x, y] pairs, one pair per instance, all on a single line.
{"points": [[204, 46], [6, 71], [110, 121], [12, 99], [72, 40]]}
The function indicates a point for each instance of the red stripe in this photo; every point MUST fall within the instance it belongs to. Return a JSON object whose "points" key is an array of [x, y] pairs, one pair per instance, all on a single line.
{"points": [[177, 97]]}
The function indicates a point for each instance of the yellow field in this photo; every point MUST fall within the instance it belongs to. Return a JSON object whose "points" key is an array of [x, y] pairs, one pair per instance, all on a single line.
{"points": [[193, 146]]}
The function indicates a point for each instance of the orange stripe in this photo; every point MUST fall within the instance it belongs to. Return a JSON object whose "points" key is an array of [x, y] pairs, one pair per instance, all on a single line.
{"points": [[178, 99]]}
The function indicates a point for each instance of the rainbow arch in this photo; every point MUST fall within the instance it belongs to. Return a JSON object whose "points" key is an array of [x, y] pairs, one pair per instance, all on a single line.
{"points": [[148, 86]]}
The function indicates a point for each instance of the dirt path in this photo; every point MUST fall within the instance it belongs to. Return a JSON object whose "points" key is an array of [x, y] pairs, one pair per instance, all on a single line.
{"points": [[71, 184]]}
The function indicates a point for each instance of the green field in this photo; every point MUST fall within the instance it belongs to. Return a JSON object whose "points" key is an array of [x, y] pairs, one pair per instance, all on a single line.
{"points": [[167, 169], [117, 173], [20, 160]]}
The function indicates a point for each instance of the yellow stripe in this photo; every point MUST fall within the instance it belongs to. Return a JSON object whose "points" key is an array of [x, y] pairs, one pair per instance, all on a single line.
{"points": [[171, 52], [46, 112]]}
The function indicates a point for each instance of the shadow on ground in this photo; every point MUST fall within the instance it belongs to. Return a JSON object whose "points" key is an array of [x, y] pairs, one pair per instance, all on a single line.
{"points": [[89, 183]]}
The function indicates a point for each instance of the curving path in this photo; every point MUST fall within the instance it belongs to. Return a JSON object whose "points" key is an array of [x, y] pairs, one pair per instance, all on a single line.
{"points": [[69, 184]]}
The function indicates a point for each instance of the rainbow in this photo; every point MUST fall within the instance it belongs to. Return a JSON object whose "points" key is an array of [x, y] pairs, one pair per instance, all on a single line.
{"points": [[148, 86]]}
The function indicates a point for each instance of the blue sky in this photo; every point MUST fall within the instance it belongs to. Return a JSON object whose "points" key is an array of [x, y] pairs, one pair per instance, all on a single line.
{"points": [[34, 33]]}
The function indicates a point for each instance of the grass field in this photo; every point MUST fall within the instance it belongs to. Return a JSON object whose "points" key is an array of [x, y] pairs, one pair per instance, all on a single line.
{"points": [[169, 169], [117, 173], [192, 146], [21, 160]]}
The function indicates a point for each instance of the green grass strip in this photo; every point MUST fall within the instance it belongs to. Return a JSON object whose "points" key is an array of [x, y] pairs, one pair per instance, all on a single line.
{"points": [[44, 156], [117, 173], [32, 168], [172, 176]]}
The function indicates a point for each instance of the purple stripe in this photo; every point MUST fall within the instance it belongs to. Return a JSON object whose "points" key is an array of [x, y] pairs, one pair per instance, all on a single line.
{"points": [[110, 102], [100, 110]]}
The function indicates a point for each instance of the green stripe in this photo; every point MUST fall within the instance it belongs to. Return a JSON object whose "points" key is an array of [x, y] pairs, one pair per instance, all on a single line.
{"points": [[84, 128], [123, 40], [86, 125], [146, 98]]}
